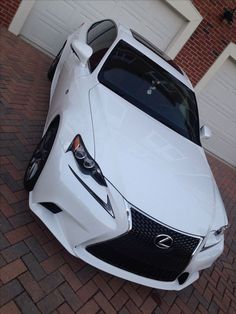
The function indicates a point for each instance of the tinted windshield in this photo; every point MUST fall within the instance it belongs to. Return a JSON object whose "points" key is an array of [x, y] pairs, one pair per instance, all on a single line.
{"points": [[152, 89]]}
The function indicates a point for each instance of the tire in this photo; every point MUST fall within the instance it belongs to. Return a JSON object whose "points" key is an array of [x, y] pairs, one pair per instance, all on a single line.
{"points": [[40, 156], [53, 66]]}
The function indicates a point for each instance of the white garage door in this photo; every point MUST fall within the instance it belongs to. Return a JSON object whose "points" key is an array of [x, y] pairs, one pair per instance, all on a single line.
{"points": [[217, 106], [50, 22]]}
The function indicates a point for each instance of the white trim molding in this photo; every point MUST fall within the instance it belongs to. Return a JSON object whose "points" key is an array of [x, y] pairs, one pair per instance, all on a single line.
{"points": [[187, 9], [184, 7], [229, 51], [21, 16]]}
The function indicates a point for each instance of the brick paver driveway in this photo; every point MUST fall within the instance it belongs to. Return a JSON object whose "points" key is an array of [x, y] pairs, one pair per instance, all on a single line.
{"points": [[37, 274]]}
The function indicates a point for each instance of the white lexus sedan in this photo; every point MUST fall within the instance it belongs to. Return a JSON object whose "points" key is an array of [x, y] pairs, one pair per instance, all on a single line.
{"points": [[120, 176]]}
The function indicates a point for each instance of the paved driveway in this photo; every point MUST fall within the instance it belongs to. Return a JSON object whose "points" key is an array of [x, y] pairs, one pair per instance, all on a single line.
{"points": [[38, 275]]}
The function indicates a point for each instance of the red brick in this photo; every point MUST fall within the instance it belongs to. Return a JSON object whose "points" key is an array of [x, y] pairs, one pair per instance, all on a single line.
{"points": [[202, 309], [143, 291], [9, 291], [10, 308], [149, 305], [193, 303], [31, 286], [119, 299], [130, 305], [8, 11], [38, 232], [208, 295], [70, 277], [185, 309], [14, 251], [26, 305], [51, 282], [14, 172], [156, 297], [12, 270], [116, 283], [8, 128], [51, 302], [52, 247], [6, 209], [52, 263], [87, 291], [17, 234], [21, 195], [103, 286], [226, 301], [104, 304], [174, 310], [4, 161], [90, 307], [8, 194], [197, 55], [65, 309], [132, 293], [69, 295]]}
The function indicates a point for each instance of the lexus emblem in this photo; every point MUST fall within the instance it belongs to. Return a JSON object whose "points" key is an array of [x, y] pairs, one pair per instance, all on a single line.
{"points": [[163, 241]]}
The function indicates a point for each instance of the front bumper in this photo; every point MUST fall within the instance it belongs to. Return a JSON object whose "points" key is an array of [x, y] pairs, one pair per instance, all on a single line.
{"points": [[83, 221]]}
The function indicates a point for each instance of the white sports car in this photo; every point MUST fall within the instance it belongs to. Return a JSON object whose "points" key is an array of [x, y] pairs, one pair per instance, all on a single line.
{"points": [[120, 176]]}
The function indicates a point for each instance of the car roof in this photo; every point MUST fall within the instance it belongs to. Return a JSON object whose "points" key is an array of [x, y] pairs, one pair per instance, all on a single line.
{"points": [[156, 50], [154, 53]]}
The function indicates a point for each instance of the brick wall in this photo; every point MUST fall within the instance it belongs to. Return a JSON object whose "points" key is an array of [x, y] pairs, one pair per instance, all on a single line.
{"points": [[208, 40], [8, 9]]}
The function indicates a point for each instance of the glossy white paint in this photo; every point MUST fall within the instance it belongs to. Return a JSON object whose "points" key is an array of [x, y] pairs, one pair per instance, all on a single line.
{"points": [[148, 154], [145, 163]]}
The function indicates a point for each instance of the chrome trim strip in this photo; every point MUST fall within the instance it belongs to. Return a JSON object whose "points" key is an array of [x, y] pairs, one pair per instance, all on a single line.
{"points": [[171, 228], [107, 206]]}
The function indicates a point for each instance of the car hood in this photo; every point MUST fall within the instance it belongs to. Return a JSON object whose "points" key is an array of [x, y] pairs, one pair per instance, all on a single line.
{"points": [[153, 167]]}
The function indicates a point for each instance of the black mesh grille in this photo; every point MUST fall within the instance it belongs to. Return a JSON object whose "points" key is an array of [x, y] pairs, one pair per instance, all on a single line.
{"points": [[136, 252]]}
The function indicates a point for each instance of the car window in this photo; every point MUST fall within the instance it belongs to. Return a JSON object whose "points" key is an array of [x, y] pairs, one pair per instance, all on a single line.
{"points": [[152, 89], [100, 37]]}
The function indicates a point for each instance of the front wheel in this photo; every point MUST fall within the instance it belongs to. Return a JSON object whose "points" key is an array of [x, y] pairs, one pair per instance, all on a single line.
{"points": [[39, 157]]}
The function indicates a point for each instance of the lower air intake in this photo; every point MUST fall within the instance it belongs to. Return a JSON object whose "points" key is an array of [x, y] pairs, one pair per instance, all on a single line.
{"points": [[137, 253]]}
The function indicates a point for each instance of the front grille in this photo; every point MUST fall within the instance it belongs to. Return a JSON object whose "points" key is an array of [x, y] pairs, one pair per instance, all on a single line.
{"points": [[136, 252]]}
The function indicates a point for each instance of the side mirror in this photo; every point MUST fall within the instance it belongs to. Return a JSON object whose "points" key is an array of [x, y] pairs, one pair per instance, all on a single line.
{"points": [[82, 51], [205, 132]]}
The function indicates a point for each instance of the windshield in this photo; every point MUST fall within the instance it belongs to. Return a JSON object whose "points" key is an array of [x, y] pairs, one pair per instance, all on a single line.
{"points": [[152, 89]]}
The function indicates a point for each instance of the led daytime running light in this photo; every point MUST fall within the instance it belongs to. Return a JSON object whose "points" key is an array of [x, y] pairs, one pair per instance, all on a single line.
{"points": [[85, 162]]}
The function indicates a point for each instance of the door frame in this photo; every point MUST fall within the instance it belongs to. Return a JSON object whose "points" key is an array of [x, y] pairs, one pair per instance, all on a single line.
{"points": [[183, 7], [229, 51]]}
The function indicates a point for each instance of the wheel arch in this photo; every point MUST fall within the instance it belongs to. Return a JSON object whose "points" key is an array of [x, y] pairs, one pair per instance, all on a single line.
{"points": [[55, 120]]}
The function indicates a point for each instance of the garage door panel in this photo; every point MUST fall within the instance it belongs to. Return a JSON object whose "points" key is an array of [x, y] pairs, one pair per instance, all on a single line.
{"points": [[48, 36], [154, 19], [222, 144], [217, 108], [222, 124], [94, 10], [60, 14], [224, 109]]}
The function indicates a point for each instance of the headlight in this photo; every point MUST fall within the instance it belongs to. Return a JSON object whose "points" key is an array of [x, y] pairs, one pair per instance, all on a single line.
{"points": [[220, 231], [85, 162], [214, 237]]}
